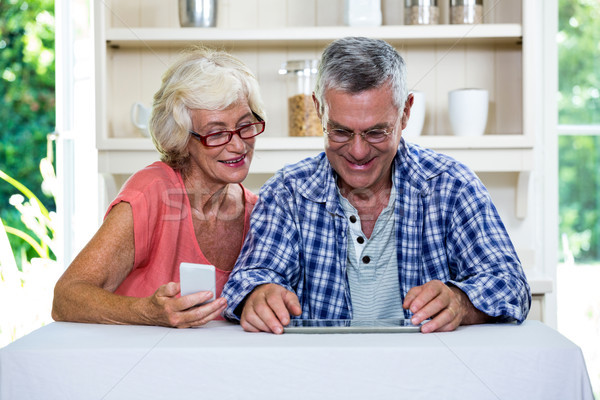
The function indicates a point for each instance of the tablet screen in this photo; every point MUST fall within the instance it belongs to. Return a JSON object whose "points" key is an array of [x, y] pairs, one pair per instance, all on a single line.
{"points": [[350, 326]]}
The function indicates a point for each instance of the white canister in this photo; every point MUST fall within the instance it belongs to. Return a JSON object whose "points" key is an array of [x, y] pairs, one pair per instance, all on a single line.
{"points": [[468, 111], [362, 12], [414, 127]]}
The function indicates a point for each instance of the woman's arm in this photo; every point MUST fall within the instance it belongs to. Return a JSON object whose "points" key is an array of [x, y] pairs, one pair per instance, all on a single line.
{"points": [[85, 291]]}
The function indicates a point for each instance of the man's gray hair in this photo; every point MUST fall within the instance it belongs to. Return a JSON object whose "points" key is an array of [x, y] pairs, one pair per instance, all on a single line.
{"points": [[356, 64]]}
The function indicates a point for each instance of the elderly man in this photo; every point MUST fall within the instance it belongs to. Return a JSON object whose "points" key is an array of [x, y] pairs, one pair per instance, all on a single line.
{"points": [[374, 227]]}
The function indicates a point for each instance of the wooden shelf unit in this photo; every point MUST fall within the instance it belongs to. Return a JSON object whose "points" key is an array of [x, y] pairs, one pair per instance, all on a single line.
{"points": [[135, 43]]}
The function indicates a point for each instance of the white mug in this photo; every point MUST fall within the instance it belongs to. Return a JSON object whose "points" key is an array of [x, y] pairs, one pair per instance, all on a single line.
{"points": [[140, 116], [362, 12], [414, 127], [468, 111]]}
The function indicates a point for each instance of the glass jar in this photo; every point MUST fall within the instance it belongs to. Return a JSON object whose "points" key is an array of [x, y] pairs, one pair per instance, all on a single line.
{"points": [[421, 12], [302, 117], [466, 11]]}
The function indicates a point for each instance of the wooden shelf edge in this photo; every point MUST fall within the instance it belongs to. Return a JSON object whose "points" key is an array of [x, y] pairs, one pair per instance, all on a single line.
{"points": [[273, 153], [539, 285], [125, 144], [138, 37], [435, 142], [492, 142]]}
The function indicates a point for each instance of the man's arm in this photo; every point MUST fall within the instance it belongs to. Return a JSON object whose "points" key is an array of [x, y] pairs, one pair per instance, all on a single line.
{"points": [[481, 257], [480, 277], [269, 256]]}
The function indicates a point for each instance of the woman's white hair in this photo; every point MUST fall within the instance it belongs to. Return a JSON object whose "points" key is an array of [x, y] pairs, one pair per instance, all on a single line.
{"points": [[201, 78]]}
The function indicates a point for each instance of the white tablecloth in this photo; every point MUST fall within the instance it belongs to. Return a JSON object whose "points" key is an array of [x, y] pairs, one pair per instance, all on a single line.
{"points": [[87, 361]]}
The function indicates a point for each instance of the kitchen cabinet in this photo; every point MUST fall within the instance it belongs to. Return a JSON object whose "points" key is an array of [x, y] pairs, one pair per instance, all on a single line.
{"points": [[136, 40]]}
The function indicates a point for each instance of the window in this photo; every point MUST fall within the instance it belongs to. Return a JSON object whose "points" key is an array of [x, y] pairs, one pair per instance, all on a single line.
{"points": [[579, 129], [578, 274]]}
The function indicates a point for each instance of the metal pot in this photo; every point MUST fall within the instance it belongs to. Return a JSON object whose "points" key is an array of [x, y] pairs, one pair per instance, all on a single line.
{"points": [[198, 13]]}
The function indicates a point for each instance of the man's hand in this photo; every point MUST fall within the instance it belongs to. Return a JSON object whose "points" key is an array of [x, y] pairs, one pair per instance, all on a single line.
{"points": [[268, 309], [448, 307]]}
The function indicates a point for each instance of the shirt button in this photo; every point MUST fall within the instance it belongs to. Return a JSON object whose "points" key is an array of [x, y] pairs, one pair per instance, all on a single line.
{"points": [[360, 239], [366, 259], [352, 219]]}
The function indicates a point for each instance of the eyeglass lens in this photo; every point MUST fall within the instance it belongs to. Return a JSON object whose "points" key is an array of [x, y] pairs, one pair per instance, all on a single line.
{"points": [[372, 136], [245, 132]]}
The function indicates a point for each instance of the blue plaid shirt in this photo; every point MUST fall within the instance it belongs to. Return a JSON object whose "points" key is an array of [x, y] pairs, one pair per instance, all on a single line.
{"points": [[448, 229]]}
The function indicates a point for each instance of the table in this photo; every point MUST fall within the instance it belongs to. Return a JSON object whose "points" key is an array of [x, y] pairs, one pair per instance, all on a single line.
{"points": [[220, 360]]}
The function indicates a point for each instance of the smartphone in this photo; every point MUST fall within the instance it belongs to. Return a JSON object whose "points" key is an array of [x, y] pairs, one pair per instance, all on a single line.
{"points": [[197, 278]]}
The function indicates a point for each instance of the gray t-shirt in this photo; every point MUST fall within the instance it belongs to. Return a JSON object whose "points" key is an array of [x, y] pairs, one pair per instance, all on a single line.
{"points": [[372, 264]]}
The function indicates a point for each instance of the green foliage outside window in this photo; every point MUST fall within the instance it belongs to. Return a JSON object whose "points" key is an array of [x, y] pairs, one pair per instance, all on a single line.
{"points": [[579, 62], [579, 104], [27, 113], [579, 187]]}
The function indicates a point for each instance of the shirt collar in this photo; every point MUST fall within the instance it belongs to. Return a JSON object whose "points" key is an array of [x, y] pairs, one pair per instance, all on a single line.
{"points": [[320, 187]]}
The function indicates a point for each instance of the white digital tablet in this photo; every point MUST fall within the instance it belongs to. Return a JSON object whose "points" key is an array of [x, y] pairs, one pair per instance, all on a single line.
{"points": [[350, 326], [197, 278]]}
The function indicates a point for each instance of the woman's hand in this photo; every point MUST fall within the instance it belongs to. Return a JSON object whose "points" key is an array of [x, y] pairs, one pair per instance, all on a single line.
{"points": [[85, 292], [164, 308]]}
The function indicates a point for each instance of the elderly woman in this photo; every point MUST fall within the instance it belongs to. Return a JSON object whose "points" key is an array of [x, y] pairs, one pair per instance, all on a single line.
{"points": [[188, 207]]}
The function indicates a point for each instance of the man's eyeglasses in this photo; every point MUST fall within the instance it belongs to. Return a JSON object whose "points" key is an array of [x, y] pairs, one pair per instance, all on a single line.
{"points": [[223, 137], [342, 136]]}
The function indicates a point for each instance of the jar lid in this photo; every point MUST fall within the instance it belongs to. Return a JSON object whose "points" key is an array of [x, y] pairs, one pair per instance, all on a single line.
{"points": [[299, 67], [454, 3], [421, 3]]}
